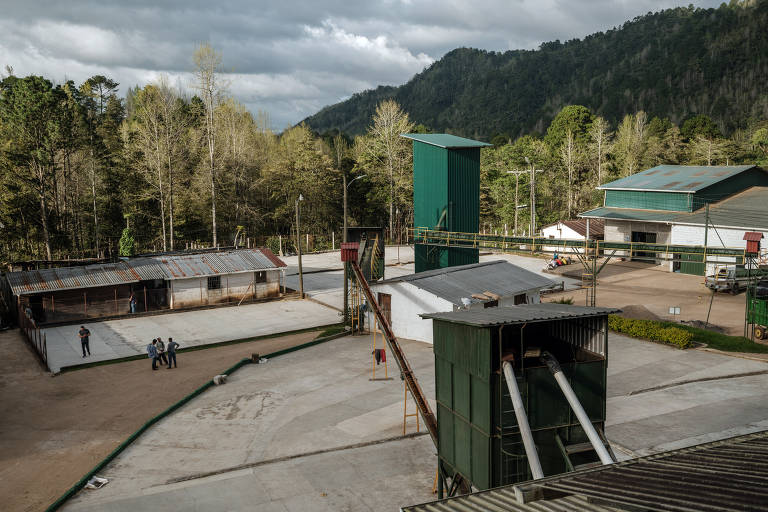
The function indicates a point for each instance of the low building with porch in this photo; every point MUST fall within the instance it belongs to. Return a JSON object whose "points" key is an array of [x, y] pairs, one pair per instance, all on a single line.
{"points": [[672, 204], [156, 283], [477, 285], [576, 229]]}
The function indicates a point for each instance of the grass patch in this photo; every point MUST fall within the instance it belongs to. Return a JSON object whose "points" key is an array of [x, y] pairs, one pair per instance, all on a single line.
{"points": [[651, 329], [723, 341], [331, 330]]}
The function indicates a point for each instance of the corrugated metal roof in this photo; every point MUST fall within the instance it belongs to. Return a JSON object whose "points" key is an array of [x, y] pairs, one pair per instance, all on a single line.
{"points": [[142, 269], [753, 236], [444, 140], [69, 278], [676, 178], [503, 500], [455, 283], [524, 313], [215, 263], [719, 476], [596, 226], [630, 214], [744, 210], [726, 475]]}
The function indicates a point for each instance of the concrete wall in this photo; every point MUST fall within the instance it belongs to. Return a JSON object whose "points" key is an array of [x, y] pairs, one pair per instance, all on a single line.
{"points": [[408, 302], [621, 231], [194, 292]]}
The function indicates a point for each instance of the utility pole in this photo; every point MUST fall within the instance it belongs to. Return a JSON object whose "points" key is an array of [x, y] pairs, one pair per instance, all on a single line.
{"points": [[517, 184], [298, 247], [533, 195]]}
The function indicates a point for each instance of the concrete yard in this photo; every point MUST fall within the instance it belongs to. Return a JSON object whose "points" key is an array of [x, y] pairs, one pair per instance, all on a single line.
{"points": [[260, 434], [114, 339], [313, 400]]}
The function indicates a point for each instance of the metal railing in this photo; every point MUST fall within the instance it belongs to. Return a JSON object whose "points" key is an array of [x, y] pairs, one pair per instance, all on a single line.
{"points": [[637, 250], [34, 335]]}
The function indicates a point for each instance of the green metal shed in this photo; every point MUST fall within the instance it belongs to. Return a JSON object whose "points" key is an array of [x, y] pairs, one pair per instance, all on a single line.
{"points": [[478, 434], [446, 194]]}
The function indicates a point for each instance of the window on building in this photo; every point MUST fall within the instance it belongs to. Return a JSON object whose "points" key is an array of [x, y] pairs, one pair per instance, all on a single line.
{"points": [[214, 283], [490, 303], [260, 277], [520, 299]]}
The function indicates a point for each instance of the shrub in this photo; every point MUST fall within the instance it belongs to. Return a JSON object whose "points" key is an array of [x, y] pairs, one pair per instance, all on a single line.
{"points": [[564, 300], [651, 330]]}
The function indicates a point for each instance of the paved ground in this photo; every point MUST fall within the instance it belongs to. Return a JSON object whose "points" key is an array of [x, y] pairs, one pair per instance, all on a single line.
{"points": [[321, 398], [53, 430], [113, 339], [317, 399], [623, 284]]}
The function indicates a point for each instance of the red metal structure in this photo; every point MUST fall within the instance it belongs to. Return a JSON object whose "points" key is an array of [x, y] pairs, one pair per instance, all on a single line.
{"points": [[753, 241]]}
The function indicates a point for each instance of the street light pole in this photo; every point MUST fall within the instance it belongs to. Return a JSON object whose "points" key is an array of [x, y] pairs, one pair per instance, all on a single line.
{"points": [[298, 247]]}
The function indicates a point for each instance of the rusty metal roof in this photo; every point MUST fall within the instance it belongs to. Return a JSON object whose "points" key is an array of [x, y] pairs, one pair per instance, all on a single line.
{"points": [[69, 278], [216, 263], [678, 178], [719, 476], [142, 269], [753, 236]]}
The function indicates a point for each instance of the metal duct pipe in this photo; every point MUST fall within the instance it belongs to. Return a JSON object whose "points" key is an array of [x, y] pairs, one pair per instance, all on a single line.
{"points": [[522, 421], [586, 424]]}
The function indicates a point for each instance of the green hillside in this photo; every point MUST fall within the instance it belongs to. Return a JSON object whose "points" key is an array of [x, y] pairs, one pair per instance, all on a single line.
{"points": [[674, 63]]}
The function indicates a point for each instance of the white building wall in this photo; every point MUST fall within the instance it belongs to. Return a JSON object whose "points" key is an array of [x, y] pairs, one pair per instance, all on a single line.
{"points": [[194, 292], [560, 230], [621, 231], [716, 237], [408, 302]]}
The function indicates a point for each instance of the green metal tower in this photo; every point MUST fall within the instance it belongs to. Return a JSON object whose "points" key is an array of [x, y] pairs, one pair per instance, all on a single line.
{"points": [[446, 194]]}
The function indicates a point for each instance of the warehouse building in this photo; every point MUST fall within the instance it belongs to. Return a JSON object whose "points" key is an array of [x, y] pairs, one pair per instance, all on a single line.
{"points": [[157, 283], [668, 205], [474, 286]]}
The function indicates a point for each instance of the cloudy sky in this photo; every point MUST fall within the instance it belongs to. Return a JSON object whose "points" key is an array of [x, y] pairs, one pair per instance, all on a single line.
{"points": [[288, 58]]}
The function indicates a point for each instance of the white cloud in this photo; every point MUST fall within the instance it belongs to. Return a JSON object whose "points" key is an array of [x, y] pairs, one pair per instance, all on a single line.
{"points": [[287, 58]]}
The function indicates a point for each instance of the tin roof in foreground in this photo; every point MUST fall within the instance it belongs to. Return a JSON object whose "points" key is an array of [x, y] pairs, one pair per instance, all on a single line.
{"points": [[719, 476], [445, 140], [142, 269], [454, 283], [676, 178], [524, 313]]}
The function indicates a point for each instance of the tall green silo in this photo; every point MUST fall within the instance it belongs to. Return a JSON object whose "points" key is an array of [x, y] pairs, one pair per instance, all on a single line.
{"points": [[446, 194]]}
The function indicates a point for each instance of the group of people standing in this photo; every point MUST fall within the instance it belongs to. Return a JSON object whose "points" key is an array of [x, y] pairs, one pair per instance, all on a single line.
{"points": [[157, 351]]}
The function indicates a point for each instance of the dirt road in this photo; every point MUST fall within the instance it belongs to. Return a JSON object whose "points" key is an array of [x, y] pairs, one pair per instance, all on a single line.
{"points": [[624, 284], [53, 430]]}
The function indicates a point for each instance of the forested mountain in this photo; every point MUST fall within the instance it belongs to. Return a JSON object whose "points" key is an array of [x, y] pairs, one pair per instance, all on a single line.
{"points": [[675, 63]]}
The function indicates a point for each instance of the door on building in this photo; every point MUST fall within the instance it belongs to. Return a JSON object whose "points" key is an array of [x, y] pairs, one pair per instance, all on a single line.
{"points": [[385, 304], [644, 237]]}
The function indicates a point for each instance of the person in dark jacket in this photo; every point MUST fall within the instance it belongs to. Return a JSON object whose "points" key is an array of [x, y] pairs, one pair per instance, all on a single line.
{"points": [[172, 346], [152, 353], [84, 339]]}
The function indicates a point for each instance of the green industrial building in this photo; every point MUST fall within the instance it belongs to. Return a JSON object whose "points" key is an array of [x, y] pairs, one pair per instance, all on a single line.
{"points": [[446, 194], [479, 435], [668, 205]]}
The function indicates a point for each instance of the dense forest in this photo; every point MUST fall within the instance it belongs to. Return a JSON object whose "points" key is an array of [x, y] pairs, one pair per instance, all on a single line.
{"points": [[85, 172], [675, 63]]}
